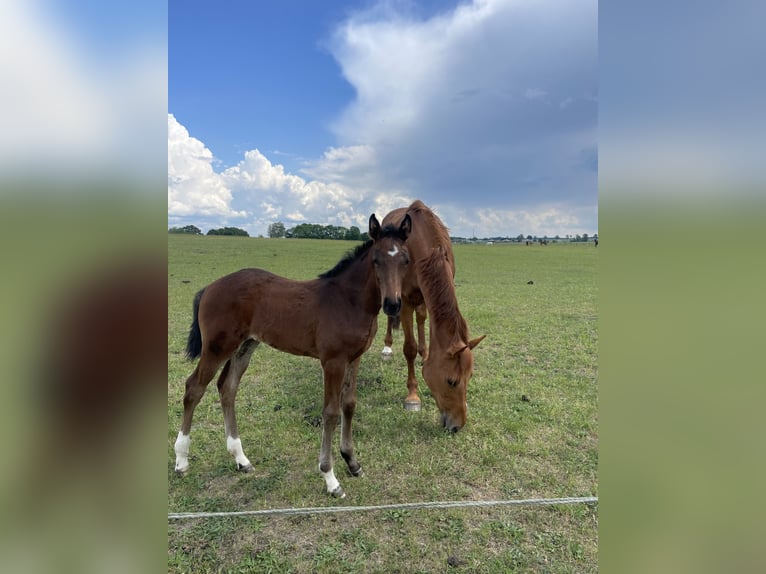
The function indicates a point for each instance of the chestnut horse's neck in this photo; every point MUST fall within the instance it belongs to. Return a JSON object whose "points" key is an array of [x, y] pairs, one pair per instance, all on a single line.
{"points": [[438, 288]]}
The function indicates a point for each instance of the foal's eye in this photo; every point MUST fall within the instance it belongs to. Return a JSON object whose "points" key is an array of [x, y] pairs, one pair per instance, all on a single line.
{"points": [[452, 382]]}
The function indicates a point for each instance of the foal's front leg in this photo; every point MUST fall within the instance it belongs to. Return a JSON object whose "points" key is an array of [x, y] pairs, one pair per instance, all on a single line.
{"points": [[348, 406], [334, 372], [388, 340]]}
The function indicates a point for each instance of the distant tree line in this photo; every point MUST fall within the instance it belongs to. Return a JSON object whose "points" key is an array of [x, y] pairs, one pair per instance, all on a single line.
{"points": [[194, 230], [229, 231], [190, 229], [521, 238], [276, 230], [316, 231]]}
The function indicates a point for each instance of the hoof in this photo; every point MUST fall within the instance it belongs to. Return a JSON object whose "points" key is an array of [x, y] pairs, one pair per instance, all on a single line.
{"points": [[245, 467], [359, 472], [412, 405], [338, 493], [387, 352], [181, 471]]}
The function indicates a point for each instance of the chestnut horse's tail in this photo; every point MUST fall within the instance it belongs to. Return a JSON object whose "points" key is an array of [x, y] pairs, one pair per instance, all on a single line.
{"points": [[194, 344]]}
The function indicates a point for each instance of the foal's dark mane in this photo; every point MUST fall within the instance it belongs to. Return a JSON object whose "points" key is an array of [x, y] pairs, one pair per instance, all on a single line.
{"points": [[347, 260], [358, 252], [435, 278]]}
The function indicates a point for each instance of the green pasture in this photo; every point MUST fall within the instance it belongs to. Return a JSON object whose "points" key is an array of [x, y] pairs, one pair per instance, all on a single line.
{"points": [[532, 428]]}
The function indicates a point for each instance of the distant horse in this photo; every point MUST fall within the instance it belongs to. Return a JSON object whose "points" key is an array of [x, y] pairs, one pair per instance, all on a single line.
{"points": [[332, 318], [429, 288]]}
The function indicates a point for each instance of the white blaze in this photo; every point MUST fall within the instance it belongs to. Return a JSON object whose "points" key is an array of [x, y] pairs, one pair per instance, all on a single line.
{"points": [[394, 251]]}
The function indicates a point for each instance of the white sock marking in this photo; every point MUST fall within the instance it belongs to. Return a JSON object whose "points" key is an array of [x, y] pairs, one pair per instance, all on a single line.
{"points": [[330, 480], [388, 350], [394, 251], [182, 451], [234, 446]]}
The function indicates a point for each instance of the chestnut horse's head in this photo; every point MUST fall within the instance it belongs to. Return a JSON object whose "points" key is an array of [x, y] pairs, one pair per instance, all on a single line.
{"points": [[447, 373], [391, 259], [449, 365]]}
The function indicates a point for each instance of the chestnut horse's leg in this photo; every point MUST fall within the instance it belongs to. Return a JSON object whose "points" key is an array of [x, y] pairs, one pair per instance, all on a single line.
{"points": [[421, 314], [228, 385], [389, 339], [195, 388], [348, 405], [334, 372], [412, 402]]}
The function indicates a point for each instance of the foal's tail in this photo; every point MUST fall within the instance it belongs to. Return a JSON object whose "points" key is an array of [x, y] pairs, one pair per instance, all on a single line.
{"points": [[194, 343]]}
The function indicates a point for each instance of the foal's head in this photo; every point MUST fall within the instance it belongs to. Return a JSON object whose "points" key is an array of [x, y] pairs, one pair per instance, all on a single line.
{"points": [[390, 259]]}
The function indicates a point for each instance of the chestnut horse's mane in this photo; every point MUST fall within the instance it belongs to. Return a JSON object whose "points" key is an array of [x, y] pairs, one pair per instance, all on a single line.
{"points": [[433, 223], [435, 274], [435, 278]]}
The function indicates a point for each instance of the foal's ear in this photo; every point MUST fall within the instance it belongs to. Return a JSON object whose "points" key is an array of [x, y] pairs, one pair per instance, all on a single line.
{"points": [[406, 227], [374, 227]]}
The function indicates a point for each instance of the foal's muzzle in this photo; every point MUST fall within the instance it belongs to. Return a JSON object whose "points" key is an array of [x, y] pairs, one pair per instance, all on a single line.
{"points": [[391, 307]]}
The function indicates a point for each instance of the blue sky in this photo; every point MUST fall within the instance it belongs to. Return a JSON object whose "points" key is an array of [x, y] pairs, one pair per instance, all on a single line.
{"points": [[324, 112]]}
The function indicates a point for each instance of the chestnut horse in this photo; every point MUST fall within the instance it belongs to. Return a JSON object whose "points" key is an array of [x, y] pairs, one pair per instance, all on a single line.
{"points": [[332, 318], [429, 288]]}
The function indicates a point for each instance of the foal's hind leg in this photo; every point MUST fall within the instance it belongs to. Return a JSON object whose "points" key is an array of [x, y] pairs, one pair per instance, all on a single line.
{"points": [[412, 402], [334, 372], [195, 388], [228, 384], [348, 405]]}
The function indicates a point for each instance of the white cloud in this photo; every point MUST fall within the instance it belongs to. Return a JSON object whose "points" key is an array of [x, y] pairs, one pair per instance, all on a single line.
{"points": [[442, 113], [444, 103], [550, 220], [260, 193], [194, 188], [274, 195]]}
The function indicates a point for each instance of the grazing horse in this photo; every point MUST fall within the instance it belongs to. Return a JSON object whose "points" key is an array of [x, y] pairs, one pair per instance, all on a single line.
{"points": [[429, 288], [332, 318]]}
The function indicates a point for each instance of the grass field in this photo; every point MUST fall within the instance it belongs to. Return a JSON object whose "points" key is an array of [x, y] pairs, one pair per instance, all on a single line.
{"points": [[532, 428]]}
